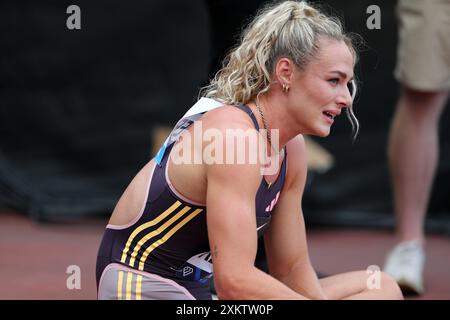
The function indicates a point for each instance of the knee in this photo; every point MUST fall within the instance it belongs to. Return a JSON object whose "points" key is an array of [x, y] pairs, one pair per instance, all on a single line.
{"points": [[390, 287], [424, 104]]}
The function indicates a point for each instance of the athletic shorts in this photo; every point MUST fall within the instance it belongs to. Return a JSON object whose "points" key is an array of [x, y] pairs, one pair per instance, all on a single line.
{"points": [[423, 53], [119, 282]]}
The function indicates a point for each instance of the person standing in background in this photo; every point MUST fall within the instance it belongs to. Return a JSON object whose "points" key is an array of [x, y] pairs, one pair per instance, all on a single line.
{"points": [[423, 70]]}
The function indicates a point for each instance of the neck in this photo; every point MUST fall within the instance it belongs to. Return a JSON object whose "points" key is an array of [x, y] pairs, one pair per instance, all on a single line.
{"points": [[277, 118]]}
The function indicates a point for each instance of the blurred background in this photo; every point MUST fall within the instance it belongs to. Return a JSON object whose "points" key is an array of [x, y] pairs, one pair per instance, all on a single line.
{"points": [[81, 111]]}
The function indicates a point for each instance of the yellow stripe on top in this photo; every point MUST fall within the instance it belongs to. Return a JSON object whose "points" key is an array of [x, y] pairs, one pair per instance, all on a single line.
{"points": [[156, 232], [169, 234], [119, 285], [146, 225]]}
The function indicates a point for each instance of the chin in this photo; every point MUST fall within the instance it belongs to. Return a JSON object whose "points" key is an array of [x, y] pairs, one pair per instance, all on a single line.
{"points": [[322, 132]]}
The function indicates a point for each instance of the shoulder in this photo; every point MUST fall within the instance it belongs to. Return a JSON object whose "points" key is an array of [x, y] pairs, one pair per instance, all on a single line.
{"points": [[235, 146], [227, 117], [296, 161], [233, 129], [296, 146]]}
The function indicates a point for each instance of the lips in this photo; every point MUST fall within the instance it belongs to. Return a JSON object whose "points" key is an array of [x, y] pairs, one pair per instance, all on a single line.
{"points": [[331, 114]]}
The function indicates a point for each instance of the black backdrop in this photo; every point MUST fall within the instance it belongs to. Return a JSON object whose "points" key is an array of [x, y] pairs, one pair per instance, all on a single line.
{"points": [[77, 107]]}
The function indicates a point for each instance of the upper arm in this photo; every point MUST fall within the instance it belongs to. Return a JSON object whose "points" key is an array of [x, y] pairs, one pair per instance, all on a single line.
{"points": [[231, 220], [285, 239], [231, 215]]}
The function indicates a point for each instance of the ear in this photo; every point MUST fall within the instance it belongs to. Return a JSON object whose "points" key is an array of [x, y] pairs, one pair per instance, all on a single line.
{"points": [[284, 70]]}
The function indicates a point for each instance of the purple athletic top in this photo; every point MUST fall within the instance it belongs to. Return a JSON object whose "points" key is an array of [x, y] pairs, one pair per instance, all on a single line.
{"points": [[170, 238]]}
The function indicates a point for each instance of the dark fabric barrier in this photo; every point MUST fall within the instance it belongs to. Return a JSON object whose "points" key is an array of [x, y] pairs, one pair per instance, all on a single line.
{"points": [[78, 106]]}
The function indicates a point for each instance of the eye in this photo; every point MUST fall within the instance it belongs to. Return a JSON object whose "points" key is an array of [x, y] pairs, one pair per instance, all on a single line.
{"points": [[334, 81]]}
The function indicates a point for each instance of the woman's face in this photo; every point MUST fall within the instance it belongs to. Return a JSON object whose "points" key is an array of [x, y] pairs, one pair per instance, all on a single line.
{"points": [[319, 92]]}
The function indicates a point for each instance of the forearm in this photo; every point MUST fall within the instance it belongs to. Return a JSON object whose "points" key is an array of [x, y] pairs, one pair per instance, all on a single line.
{"points": [[303, 279], [255, 285]]}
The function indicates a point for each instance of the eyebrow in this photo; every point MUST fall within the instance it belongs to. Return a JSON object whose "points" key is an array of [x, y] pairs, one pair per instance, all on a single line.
{"points": [[342, 74]]}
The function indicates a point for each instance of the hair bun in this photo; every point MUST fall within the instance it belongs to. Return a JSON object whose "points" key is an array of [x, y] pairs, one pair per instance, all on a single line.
{"points": [[310, 12], [303, 12]]}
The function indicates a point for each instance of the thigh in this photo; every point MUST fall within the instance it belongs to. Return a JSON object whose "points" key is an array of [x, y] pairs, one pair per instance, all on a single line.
{"points": [[343, 285]]}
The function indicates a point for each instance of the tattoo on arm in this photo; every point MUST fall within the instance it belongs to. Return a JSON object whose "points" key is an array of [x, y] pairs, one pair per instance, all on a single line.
{"points": [[215, 252]]}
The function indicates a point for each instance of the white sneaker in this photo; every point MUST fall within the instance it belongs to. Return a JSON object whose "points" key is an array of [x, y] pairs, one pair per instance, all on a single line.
{"points": [[405, 264]]}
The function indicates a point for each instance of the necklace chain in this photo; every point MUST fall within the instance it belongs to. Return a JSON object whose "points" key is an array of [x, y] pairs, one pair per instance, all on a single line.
{"points": [[269, 137]]}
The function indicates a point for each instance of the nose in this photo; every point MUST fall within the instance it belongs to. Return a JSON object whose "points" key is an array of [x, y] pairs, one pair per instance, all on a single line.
{"points": [[345, 98]]}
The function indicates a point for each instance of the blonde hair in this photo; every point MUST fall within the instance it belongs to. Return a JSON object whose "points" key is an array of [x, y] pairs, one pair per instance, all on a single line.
{"points": [[288, 29]]}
